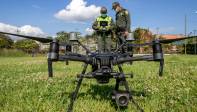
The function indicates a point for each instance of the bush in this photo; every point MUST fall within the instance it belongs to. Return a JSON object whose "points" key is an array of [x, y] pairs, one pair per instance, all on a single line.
{"points": [[12, 53], [27, 45], [191, 48], [5, 41]]}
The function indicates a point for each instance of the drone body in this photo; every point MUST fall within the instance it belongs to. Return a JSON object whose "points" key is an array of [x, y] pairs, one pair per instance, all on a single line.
{"points": [[103, 64]]}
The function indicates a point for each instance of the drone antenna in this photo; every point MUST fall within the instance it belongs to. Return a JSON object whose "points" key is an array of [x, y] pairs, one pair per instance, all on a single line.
{"points": [[161, 67], [53, 55], [158, 55], [50, 68]]}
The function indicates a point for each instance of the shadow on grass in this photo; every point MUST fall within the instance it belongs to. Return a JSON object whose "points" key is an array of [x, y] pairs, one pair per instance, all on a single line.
{"points": [[104, 92]]}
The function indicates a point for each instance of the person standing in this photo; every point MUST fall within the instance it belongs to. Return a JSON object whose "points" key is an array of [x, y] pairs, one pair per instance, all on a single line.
{"points": [[123, 23], [103, 26]]}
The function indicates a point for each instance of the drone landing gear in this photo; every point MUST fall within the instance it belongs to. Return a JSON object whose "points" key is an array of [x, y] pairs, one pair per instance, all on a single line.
{"points": [[74, 94], [122, 98]]}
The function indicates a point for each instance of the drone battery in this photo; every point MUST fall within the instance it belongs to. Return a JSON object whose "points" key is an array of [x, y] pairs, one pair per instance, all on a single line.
{"points": [[53, 51]]}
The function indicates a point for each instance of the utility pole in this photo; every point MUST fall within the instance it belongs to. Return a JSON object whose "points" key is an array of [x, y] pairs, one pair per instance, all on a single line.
{"points": [[195, 42], [185, 34]]}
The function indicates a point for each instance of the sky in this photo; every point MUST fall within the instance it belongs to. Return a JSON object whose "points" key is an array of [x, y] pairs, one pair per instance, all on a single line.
{"points": [[47, 17]]}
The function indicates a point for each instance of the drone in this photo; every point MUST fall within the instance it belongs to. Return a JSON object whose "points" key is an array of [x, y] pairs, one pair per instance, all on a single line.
{"points": [[103, 63]]}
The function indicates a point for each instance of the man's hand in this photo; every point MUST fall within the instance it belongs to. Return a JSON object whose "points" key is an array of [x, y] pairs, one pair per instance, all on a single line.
{"points": [[126, 33]]}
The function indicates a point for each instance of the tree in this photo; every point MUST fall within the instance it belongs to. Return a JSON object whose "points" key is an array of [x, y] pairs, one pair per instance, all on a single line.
{"points": [[142, 35], [5, 41], [27, 45], [49, 37], [63, 36]]}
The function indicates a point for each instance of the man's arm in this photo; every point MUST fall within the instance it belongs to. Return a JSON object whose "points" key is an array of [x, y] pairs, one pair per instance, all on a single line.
{"points": [[95, 25], [112, 24], [113, 29], [128, 21]]}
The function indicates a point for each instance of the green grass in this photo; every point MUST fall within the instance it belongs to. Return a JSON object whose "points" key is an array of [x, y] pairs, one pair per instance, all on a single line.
{"points": [[25, 87]]}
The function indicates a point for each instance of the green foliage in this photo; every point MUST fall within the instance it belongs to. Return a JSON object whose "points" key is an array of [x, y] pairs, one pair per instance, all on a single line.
{"points": [[12, 53], [26, 45], [49, 37], [63, 36], [5, 41], [24, 86], [143, 35], [191, 48]]}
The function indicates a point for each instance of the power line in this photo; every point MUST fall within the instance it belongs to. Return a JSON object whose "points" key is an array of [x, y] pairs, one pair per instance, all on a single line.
{"points": [[185, 34], [195, 43]]}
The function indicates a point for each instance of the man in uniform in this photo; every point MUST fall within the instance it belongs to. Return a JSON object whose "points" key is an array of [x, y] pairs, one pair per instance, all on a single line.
{"points": [[103, 27], [123, 23]]}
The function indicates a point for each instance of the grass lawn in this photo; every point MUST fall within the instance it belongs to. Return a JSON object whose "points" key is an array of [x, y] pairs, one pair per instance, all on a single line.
{"points": [[25, 87]]}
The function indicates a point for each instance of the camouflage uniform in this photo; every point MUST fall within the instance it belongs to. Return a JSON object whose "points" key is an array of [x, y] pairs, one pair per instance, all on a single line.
{"points": [[122, 25]]}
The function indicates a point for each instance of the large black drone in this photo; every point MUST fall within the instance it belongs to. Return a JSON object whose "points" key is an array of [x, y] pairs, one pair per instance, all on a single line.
{"points": [[103, 63]]}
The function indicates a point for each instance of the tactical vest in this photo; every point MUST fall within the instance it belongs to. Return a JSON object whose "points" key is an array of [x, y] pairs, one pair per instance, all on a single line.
{"points": [[104, 22]]}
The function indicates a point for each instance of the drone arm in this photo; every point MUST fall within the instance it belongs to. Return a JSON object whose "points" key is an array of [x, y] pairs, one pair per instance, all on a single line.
{"points": [[73, 57], [87, 50], [130, 59]]}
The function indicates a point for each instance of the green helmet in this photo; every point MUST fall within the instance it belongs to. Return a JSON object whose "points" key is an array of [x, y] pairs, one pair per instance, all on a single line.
{"points": [[103, 10]]}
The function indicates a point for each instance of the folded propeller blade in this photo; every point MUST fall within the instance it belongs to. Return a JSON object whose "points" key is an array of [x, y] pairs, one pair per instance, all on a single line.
{"points": [[43, 40], [174, 40], [166, 41]]}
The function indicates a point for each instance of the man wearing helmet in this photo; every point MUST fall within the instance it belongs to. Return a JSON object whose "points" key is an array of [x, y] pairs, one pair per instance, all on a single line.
{"points": [[122, 23], [103, 26]]}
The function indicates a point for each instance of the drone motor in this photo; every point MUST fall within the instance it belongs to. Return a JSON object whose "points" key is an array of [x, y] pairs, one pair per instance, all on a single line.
{"points": [[53, 50], [157, 51]]}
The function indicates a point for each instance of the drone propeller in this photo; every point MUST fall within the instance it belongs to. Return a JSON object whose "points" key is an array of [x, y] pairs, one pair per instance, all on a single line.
{"points": [[164, 41], [53, 49], [158, 53], [43, 40], [174, 40]]}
